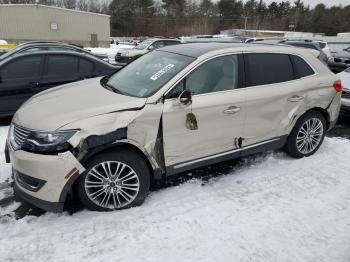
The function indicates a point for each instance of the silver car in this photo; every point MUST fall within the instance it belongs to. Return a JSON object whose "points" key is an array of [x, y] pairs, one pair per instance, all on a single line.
{"points": [[104, 140]]}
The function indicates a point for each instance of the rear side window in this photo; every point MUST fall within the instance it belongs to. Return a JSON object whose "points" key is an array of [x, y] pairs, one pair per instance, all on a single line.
{"points": [[62, 65], [264, 69], [86, 67], [301, 68]]}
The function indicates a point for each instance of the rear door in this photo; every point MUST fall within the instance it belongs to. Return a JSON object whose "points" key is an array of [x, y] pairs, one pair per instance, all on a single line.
{"points": [[276, 95], [60, 69], [19, 79], [218, 104]]}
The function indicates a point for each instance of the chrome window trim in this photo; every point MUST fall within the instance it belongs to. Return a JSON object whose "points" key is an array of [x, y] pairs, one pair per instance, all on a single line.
{"points": [[195, 67], [284, 82], [235, 89]]}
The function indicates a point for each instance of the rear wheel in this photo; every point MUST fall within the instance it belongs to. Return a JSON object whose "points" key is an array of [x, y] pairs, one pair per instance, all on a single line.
{"points": [[307, 135], [114, 180]]}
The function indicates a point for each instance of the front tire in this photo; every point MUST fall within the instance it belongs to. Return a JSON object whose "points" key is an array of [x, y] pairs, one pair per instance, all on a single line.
{"points": [[307, 135], [114, 180]]}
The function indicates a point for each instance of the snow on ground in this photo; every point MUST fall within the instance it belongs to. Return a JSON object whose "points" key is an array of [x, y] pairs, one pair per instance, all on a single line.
{"points": [[270, 208], [112, 51]]}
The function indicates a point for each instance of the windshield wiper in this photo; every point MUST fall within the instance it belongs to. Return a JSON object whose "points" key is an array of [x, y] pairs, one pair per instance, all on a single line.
{"points": [[112, 88]]}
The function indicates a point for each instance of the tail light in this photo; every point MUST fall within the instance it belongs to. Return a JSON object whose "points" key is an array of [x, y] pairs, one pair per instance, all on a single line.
{"points": [[337, 86]]}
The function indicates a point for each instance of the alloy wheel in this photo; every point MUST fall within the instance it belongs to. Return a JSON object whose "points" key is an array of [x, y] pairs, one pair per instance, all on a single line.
{"points": [[309, 136], [112, 185]]}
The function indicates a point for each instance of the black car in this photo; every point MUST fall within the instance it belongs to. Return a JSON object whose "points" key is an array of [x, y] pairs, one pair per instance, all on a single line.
{"points": [[307, 44], [28, 73], [126, 56], [35, 46], [340, 60]]}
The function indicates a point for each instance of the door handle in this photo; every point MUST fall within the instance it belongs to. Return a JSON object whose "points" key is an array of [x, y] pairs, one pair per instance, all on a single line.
{"points": [[295, 98], [232, 110]]}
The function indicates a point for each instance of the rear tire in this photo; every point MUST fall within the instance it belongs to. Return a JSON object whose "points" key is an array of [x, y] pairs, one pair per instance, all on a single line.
{"points": [[307, 135], [113, 181]]}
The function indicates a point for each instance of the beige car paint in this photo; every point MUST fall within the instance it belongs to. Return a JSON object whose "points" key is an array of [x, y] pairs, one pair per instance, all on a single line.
{"points": [[216, 131], [96, 111], [51, 168]]}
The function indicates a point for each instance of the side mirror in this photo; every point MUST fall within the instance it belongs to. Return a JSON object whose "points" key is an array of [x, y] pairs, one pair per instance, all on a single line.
{"points": [[185, 97], [151, 47]]}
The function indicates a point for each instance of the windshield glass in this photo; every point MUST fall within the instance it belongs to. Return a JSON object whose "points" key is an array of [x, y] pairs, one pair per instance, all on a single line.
{"points": [[10, 52], [144, 44], [148, 74]]}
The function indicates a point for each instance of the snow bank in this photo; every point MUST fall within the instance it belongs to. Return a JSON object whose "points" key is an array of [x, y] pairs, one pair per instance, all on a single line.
{"points": [[271, 208], [112, 51]]}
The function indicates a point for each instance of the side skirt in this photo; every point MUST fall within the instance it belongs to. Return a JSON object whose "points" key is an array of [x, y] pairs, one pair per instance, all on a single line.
{"points": [[267, 145]]}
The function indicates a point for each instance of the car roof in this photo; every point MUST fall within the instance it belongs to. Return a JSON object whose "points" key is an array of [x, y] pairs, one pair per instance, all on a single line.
{"points": [[168, 39], [46, 52], [198, 49]]}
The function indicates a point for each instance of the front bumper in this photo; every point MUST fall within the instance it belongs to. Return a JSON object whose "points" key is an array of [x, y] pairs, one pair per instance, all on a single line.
{"points": [[58, 173]]}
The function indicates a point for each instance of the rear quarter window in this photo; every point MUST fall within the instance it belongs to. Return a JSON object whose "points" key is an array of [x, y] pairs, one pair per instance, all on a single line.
{"points": [[264, 69], [301, 67]]}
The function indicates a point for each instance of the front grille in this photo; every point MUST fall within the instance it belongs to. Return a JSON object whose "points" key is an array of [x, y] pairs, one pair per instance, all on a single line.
{"points": [[345, 94], [20, 134], [341, 60]]}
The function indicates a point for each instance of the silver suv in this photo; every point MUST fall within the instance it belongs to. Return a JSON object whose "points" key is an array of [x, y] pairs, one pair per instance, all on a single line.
{"points": [[174, 109]]}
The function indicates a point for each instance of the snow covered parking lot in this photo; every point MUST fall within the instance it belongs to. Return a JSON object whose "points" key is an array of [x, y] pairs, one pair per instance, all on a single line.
{"points": [[268, 208]]}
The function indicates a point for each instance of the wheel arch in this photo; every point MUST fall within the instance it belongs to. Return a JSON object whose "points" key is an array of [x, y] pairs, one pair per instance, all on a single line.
{"points": [[155, 171]]}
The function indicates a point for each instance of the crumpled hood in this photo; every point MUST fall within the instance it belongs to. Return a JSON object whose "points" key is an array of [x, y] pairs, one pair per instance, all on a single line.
{"points": [[54, 108]]}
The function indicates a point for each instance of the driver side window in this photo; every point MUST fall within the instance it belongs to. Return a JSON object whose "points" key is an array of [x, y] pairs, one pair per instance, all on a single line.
{"points": [[215, 75]]}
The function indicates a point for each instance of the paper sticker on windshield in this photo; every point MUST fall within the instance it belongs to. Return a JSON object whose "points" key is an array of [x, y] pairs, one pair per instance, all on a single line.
{"points": [[161, 72]]}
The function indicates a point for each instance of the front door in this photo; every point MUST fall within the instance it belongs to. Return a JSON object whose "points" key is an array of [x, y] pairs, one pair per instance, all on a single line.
{"points": [[60, 69], [18, 81], [218, 107]]}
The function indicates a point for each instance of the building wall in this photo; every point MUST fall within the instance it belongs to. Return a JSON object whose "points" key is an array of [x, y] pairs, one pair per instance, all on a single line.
{"points": [[20, 23]]}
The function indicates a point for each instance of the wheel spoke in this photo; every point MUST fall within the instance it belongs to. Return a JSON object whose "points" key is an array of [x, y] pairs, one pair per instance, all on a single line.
{"points": [[97, 174], [112, 184], [309, 135]]}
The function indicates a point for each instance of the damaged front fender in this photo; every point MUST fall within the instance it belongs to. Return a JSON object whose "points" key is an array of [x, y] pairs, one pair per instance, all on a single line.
{"points": [[138, 128]]}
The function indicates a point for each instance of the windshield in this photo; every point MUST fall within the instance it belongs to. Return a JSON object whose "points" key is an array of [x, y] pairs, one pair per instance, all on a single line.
{"points": [[11, 51], [148, 74], [144, 44]]}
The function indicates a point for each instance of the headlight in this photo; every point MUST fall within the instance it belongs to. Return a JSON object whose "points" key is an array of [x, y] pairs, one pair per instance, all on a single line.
{"points": [[38, 141]]}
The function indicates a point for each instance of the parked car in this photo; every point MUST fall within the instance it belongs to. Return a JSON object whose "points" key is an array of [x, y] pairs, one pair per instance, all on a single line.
{"points": [[325, 48], [28, 73], [35, 46], [172, 110], [340, 60], [124, 57], [345, 100], [308, 44]]}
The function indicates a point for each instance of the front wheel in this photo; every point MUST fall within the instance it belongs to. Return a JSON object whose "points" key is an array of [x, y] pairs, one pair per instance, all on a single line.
{"points": [[307, 135], [114, 180]]}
